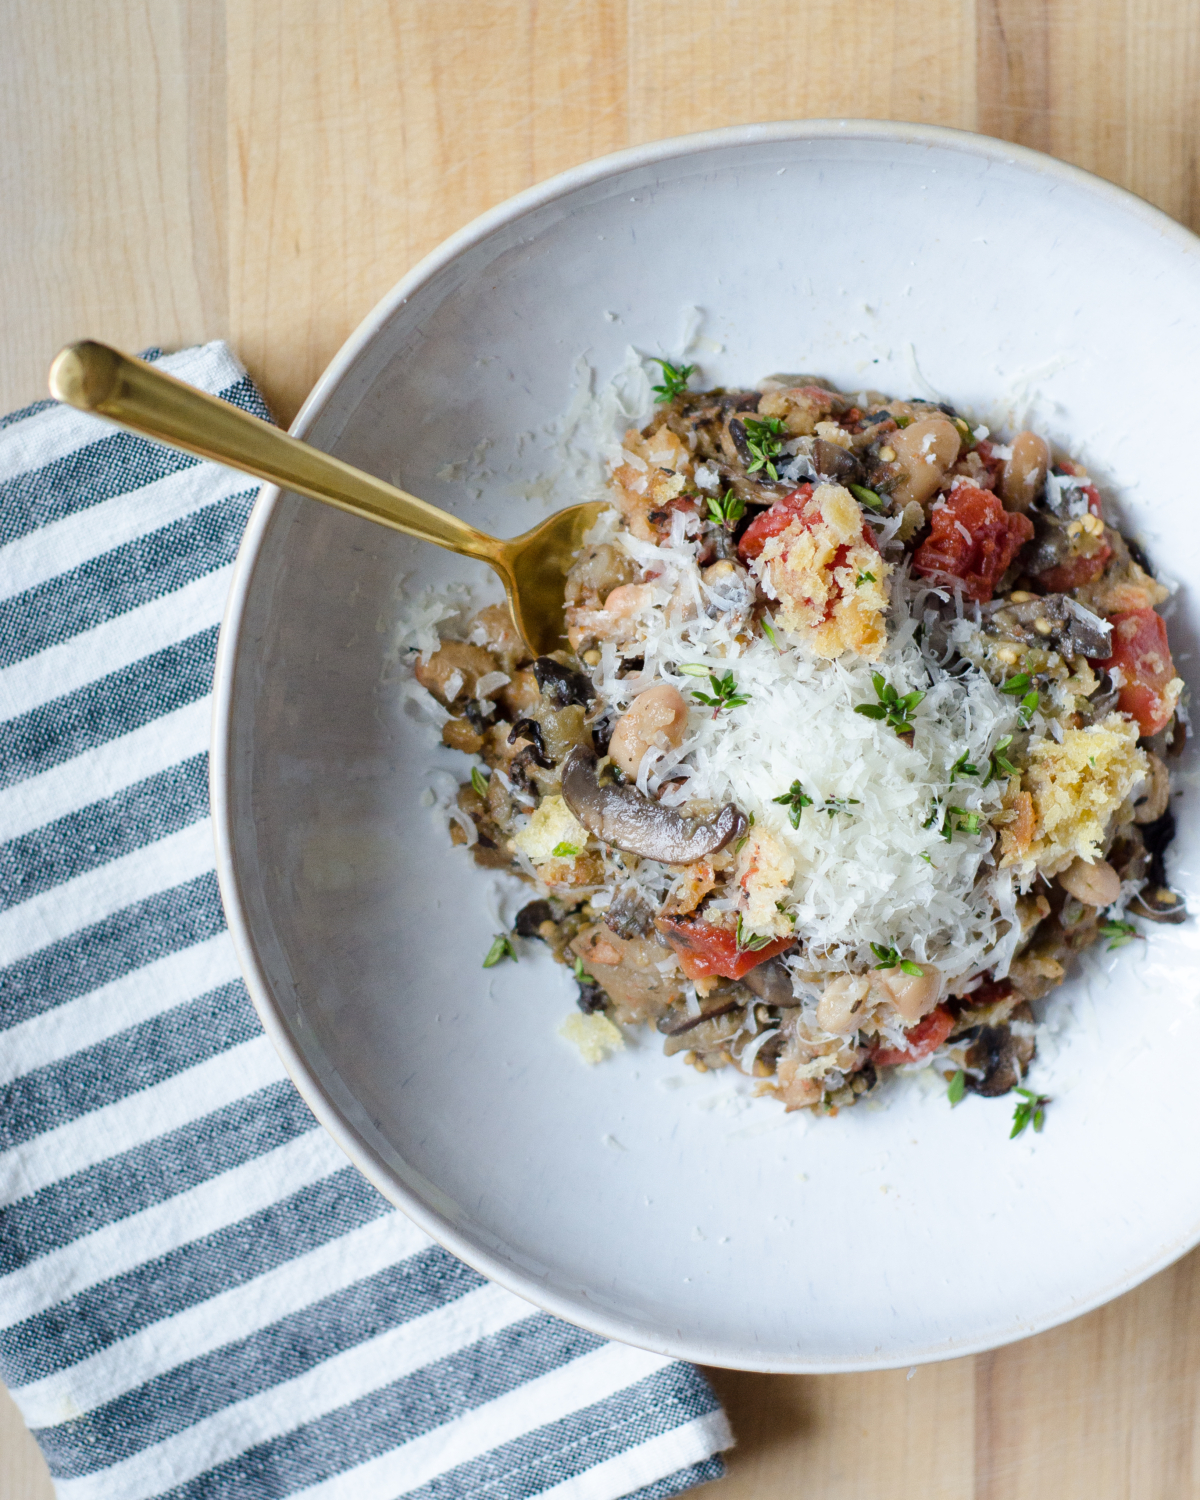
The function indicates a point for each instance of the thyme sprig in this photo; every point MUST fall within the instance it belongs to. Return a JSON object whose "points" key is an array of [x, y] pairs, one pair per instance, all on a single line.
{"points": [[1031, 1110], [725, 510], [894, 708], [724, 689], [1120, 933], [674, 381], [750, 942], [795, 799], [889, 958], [764, 442], [834, 805]]}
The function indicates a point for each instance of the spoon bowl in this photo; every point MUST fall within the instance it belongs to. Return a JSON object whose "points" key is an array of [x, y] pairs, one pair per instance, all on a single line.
{"points": [[135, 395]]}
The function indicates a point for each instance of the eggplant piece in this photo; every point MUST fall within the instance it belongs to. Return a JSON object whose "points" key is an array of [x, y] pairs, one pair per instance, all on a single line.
{"points": [[1054, 621], [562, 686], [630, 914], [535, 751], [530, 918], [621, 816], [772, 982]]}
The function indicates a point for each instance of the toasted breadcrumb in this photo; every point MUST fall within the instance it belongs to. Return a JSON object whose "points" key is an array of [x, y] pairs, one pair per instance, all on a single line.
{"points": [[552, 824], [595, 1035], [1075, 788], [830, 583], [764, 871]]}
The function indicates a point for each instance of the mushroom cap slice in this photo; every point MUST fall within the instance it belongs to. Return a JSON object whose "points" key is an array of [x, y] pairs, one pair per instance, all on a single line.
{"points": [[621, 816]]}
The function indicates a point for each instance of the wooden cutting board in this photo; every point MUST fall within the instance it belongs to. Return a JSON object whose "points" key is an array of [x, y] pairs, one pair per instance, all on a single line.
{"points": [[264, 170]]}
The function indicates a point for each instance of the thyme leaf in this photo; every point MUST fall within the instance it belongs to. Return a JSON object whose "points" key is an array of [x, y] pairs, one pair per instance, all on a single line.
{"points": [[502, 947], [795, 799], [674, 381], [1031, 1110]]}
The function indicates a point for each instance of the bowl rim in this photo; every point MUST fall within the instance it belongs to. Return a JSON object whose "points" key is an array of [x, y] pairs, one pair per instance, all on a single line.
{"points": [[625, 1329]]}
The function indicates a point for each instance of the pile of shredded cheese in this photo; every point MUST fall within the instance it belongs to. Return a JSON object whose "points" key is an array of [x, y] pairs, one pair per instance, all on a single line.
{"points": [[868, 862]]}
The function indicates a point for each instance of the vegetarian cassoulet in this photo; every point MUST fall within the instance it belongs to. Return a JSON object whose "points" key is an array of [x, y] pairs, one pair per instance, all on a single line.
{"points": [[863, 733]]}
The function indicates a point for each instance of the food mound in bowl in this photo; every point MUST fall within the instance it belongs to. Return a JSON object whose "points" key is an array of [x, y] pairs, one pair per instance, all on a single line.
{"points": [[863, 733]]}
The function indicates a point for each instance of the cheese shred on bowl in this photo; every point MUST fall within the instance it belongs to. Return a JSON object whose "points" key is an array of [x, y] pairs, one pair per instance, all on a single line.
{"points": [[862, 734]]}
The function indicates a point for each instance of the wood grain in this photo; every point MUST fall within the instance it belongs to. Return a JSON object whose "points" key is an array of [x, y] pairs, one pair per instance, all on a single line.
{"points": [[266, 169]]}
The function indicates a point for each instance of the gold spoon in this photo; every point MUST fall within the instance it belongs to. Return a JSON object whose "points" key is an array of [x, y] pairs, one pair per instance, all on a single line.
{"points": [[136, 395]]}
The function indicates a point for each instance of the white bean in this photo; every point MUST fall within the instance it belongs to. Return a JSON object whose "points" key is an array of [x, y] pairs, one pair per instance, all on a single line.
{"points": [[928, 450], [843, 1006], [1025, 472], [913, 995], [656, 717], [1095, 883]]}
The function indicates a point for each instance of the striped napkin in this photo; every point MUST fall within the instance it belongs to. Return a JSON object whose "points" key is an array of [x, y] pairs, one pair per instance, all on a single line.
{"points": [[199, 1297]]}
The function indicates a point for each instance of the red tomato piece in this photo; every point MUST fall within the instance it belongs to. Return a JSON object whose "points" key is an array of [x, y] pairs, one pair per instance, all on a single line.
{"points": [[989, 992], [769, 523], [973, 539], [708, 952], [1074, 572], [920, 1040], [1140, 650]]}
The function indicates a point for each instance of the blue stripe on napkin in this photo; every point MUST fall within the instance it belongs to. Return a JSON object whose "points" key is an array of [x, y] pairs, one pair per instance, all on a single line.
{"points": [[198, 1297]]}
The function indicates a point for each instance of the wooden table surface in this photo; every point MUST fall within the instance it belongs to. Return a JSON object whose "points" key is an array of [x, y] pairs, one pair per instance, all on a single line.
{"points": [[264, 170]]}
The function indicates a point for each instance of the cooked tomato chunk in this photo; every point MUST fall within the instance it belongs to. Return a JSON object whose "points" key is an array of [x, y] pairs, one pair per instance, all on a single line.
{"points": [[771, 522], [920, 1040], [973, 540], [1141, 653], [1074, 572], [708, 952]]}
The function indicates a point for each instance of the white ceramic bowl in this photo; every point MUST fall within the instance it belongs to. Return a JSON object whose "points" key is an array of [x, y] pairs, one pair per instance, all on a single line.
{"points": [[636, 1198]]}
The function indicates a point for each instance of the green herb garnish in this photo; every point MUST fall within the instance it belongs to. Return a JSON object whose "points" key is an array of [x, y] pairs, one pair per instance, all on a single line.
{"points": [[1032, 1108], [674, 381], [958, 1087], [963, 767], [727, 510], [502, 947], [891, 706], [479, 781], [1029, 702], [746, 942], [764, 443], [889, 958], [581, 973], [965, 821], [999, 763], [866, 497], [724, 689], [835, 805], [769, 632], [795, 799], [1120, 933], [864, 578], [565, 851]]}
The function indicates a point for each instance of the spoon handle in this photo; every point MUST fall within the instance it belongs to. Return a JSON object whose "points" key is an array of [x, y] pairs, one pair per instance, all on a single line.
{"points": [[136, 395]]}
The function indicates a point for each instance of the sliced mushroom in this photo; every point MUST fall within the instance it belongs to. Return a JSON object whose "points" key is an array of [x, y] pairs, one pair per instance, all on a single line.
{"points": [[673, 1024], [772, 982], [1002, 1057], [833, 462], [623, 817]]}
